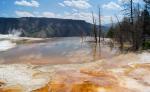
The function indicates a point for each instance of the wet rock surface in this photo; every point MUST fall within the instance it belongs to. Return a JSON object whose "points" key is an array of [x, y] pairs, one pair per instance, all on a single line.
{"points": [[124, 73]]}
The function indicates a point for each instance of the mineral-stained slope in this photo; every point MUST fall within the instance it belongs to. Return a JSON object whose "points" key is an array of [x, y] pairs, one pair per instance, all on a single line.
{"points": [[124, 73]]}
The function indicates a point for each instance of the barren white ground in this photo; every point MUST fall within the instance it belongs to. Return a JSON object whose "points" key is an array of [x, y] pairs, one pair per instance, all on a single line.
{"points": [[35, 77]]}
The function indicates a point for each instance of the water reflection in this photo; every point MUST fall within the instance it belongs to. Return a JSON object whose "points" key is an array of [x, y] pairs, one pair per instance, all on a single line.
{"points": [[96, 51], [57, 51]]}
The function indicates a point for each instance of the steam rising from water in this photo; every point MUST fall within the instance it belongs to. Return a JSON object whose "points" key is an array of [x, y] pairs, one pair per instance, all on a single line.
{"points": [[5, 40], [6, 45], [9, 41]]}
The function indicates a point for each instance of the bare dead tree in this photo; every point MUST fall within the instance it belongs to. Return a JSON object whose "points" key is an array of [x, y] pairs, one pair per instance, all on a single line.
{"points": [[146, 25], [100, 26], [135, 26], [94, 28], [129, 12], [82, 35], [120, 38], [147, 4], [132, 24], [138, 27], [112, 29]]}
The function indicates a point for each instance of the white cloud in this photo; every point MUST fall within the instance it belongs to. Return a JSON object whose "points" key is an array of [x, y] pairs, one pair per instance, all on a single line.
{"points": [[122, 1], [67, 15], [74, 10], [61, 4], [87, 16], [80, 4], [50, 15], [33, 3], [112, 6], [80, 16], [126, 1], [24, 14]]}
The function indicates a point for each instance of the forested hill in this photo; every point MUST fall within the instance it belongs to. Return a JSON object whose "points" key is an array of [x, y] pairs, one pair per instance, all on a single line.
{"points": [[44, 27]]}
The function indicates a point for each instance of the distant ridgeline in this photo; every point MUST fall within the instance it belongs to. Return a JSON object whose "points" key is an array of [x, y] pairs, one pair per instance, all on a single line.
{"points": [[44, 27]]}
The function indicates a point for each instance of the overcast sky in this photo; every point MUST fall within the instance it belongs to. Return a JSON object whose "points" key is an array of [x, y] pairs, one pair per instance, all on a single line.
{"points": [[68, 9]]}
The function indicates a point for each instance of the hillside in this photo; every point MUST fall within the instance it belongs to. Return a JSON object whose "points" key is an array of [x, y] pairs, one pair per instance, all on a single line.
{"points": [[44, 27]]}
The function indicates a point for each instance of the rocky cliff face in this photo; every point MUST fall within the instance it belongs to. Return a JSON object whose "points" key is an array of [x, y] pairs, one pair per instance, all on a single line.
{"points": [[44, 27]]}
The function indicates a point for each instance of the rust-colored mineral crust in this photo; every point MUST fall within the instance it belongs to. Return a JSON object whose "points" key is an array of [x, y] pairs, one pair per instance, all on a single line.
{"points": [[129, 76]]}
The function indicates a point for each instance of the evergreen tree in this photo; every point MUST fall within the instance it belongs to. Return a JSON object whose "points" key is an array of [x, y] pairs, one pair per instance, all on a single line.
{"points": [[147, 3]]}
